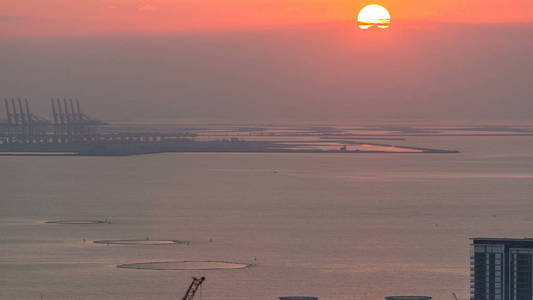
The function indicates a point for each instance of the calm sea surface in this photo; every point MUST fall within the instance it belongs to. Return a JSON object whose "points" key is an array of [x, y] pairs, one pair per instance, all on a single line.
{"points": [[336, 226]]}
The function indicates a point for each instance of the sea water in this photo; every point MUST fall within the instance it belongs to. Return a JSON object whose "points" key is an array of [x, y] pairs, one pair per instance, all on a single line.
{"points": [[335, 226]]}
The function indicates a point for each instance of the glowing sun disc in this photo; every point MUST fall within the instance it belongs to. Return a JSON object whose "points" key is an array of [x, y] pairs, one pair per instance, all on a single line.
{"points": [[374, 15]]}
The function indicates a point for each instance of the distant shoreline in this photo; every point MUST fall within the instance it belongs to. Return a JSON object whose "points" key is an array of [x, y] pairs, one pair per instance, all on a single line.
{"points": [[424, 151]]}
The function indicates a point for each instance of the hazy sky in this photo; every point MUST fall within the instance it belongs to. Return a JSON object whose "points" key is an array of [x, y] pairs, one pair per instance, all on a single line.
{"points": [[270, 59], [107, 16]]}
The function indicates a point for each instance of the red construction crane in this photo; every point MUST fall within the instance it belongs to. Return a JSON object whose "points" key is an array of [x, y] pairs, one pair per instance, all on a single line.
{"points": [[193, 288]]}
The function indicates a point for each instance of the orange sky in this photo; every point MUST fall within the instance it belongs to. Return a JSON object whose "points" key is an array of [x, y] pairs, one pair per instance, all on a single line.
{"points": [[110, 16]]}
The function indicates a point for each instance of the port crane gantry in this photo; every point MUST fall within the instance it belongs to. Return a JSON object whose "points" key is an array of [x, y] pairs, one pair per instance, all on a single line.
{"points": [[193, 288]]}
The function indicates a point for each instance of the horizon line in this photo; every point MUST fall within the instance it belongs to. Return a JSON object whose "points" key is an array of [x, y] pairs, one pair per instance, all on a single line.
{"points": [[251, 29]]}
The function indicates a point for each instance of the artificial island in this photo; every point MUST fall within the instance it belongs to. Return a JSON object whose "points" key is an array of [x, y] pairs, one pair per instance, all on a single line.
{"points": [[70, 132]]}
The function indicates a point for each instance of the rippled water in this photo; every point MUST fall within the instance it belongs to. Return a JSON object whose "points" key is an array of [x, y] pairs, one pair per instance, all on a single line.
{"points": [[336, 226]]}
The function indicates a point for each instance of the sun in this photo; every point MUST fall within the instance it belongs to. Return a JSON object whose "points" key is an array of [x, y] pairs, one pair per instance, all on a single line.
{"points": [[374, 15]]}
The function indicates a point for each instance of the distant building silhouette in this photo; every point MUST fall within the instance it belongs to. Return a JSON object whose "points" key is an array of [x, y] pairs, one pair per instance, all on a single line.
{"points": [[501, 269]]}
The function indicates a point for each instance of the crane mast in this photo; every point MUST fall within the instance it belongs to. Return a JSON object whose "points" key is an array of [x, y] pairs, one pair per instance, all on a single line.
{"points": [[455, 296], [193, 288]]}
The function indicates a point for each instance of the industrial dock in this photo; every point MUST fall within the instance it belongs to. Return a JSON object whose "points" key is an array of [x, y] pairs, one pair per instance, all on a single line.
{"points": [[70, 132]]}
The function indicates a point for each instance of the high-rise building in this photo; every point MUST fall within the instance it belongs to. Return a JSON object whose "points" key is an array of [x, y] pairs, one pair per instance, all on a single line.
{"points": [[501, 269]]}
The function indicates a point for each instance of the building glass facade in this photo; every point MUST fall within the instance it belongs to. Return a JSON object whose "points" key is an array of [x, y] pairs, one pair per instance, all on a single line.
{"points": [[501, 269]]}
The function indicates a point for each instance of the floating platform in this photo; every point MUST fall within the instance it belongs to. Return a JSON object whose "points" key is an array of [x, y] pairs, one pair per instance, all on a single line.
{"points": [[77, 222], [146, 242], [185, 265]]}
